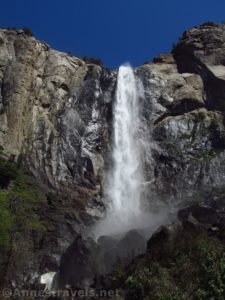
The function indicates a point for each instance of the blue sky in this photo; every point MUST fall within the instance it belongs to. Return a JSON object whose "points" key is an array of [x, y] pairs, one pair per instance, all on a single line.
{"points": [[116, 31]]}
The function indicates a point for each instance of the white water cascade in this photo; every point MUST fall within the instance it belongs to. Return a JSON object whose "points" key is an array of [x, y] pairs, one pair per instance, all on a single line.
{"points": [[48, 279], [124, 180], [124, 186]]}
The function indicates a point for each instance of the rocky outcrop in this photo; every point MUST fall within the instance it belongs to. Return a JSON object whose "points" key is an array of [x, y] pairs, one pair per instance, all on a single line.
{"points": [[184, 109], [86, 259], [183, 260], [201, 51], [55, 110]]}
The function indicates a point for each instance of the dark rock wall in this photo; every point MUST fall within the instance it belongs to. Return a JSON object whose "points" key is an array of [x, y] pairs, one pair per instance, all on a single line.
{"points": [[184, 106]]}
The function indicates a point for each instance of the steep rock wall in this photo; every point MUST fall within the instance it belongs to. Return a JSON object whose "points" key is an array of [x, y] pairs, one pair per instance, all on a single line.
{"points": [[56, 122]]}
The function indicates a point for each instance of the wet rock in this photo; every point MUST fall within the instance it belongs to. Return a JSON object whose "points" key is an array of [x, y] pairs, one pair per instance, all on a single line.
{"points": [[202, 214], [121, 250], [107, 242], [132, 244], [79, 263], [164, 235], [85, 258], [49, 263], [218, 203]]}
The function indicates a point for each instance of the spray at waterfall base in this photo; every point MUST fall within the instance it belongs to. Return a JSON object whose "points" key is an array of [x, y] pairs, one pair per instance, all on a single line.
{"points": [[124, 186], [124, 194]]}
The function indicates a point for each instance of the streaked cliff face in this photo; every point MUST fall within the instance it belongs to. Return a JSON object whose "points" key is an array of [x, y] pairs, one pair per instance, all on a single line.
{"points": [[56, 119], [56, 122]]}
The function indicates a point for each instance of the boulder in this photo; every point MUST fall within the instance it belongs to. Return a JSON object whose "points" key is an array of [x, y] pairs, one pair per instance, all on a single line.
{"points": [[85, 258], [80, 262], [132, 244], [202, 214]]}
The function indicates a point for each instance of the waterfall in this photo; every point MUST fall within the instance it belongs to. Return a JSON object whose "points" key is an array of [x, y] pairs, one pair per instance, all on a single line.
{"points": [[48, 280], [124, 180]]}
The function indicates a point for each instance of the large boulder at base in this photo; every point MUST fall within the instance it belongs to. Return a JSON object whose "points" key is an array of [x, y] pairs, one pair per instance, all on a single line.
{"points": [[85, 258]]}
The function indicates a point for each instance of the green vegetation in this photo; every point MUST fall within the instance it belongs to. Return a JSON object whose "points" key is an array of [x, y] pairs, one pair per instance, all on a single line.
{"points": [[214, 121], [26, 201], [92, 60], [20, 202], [27, 31], [6, 217], [194, 268], [206, 154], [202, 115]]}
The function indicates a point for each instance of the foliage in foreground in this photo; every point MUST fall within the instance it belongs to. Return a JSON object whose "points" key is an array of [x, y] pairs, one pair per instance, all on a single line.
{"points": [[20, 200], [194, 268], [22, 207]]}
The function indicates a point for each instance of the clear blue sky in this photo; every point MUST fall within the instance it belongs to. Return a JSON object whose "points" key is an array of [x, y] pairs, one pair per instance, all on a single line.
{"points": [[116, 31]]}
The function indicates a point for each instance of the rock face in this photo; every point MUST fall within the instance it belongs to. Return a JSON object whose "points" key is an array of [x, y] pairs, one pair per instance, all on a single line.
{"points": [[184, 107], [55, 110], [201, 51], [54, 115], [56, 122], [86, 259]]}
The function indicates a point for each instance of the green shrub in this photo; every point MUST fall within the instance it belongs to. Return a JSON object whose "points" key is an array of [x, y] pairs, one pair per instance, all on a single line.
{"points": [[20, 204], [214, 121], [27, 31], [92, 60], [152, 281], [212, 268], [202, 115], [26, 202], [193, 269]]}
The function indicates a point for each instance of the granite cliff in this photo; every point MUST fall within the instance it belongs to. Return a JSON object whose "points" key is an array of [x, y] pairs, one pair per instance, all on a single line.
{"points": [[56, 124]]}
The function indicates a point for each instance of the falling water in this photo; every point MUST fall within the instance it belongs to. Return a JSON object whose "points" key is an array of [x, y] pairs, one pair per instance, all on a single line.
{"points": [[124, 188], [124, 180], [48, 280]]}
